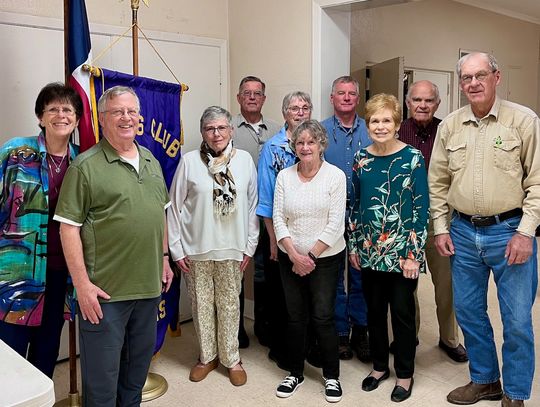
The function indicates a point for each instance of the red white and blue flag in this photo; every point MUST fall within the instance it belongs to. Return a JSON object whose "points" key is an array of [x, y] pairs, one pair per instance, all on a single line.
{"points": [[80, 53]]}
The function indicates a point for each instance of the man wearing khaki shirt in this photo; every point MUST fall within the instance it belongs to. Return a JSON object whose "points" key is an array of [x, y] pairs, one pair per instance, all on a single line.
{"points": [[486, 165]]}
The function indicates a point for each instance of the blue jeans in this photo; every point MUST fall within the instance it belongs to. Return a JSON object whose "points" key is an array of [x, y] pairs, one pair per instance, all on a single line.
{"points": [[477, 251], [351, 308]]}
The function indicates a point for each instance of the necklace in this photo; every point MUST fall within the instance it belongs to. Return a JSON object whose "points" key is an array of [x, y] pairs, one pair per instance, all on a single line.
{"points": [[57, 167]]}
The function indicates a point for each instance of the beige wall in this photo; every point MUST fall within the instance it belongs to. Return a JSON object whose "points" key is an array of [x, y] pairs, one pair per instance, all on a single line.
{"points": [[272, 40], [205, 18], [430, 33]]}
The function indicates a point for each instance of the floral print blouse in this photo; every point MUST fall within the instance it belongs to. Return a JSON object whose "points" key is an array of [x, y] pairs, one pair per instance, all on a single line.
{"points": [[389, 217]]}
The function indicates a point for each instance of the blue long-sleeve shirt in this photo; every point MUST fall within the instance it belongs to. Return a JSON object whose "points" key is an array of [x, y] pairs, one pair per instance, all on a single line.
{"points": [[343, 143], [275, 156]]}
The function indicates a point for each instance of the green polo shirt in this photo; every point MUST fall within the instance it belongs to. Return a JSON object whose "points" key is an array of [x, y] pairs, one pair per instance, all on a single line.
{"points": [[122, 213]]}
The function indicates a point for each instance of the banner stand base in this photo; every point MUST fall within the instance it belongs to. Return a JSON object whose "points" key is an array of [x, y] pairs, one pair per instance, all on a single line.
{"points": [[72, 400], [154, 387]]}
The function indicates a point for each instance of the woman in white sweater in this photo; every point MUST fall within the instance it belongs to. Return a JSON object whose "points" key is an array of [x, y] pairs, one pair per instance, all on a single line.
{"points": [[213, 233], [309, 219]]}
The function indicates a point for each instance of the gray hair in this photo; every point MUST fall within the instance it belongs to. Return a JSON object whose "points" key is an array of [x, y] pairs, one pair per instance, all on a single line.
{"points": [[493, 65], [345, 79], [434, 88], [114, 92], [315, 130], [252, 78], [213, 113], [295, 95]]}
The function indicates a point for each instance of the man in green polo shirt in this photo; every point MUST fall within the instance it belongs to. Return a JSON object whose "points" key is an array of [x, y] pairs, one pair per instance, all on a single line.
{"points": [[112, 213]]}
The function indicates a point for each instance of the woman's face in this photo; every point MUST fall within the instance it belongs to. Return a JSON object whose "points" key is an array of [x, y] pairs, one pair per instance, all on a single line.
{"points": [[298, 112], [381, 127], [217, 134], [307, 148], [59, 119]]}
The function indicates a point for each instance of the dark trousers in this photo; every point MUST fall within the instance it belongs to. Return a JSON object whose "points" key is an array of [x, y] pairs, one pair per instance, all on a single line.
{"points": [[116, 353], [40, 344], [383, 289], [312, 299]]}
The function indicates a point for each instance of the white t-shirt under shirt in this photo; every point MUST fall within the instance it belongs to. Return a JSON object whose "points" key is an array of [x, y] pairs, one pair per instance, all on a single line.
{"points": [[311, 211]]}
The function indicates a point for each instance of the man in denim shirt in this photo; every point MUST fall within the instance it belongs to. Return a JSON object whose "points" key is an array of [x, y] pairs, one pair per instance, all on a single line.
{"points": [[347, 133]]}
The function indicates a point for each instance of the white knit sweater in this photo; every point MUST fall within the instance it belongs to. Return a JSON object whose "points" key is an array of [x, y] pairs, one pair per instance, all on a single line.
{"points": [[194, 229], [311, 211]]}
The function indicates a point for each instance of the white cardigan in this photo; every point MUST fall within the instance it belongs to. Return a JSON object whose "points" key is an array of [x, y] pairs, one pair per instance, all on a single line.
{"points": [[193, 228], [311, 211]]}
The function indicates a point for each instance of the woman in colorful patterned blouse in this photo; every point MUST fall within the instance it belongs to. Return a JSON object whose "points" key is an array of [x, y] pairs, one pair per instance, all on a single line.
{"points": [[388, 232], [33, 272]]}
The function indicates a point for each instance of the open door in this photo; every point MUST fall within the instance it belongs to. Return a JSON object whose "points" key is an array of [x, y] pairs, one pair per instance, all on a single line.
{"points": [[385, 77]]}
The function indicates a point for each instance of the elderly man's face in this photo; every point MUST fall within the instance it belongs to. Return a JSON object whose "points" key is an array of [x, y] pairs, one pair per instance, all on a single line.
{"points": [[422, 103], [479, 83], [251, 97], [120, 120]]}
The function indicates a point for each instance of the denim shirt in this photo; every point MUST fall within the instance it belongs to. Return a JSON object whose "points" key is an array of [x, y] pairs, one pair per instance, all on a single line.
{"points": [[342, 146], [275, 156], [24, 211]]}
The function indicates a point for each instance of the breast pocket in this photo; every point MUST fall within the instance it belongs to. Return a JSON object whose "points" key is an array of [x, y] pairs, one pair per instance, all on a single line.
{"points": [[456, 156], [506, 155]]}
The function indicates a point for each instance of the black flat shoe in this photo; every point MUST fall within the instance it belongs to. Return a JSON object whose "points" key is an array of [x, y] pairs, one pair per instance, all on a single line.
{"points": [[370, 383], [399, 394]]}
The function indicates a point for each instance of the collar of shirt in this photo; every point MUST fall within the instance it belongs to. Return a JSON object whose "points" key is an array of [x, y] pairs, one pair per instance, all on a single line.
{"points": [[244, 122], [468, 115]]}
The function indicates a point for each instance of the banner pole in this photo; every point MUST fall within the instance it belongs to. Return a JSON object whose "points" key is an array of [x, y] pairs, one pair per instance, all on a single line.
{"points": [[135, 36], [73, 398]]}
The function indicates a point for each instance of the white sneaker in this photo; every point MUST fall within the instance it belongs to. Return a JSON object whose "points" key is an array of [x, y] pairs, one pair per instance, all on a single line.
{"points": [[288, 386]]}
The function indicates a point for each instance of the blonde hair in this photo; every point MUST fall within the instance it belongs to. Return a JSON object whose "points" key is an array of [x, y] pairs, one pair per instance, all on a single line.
{"points": [[384, 101]]}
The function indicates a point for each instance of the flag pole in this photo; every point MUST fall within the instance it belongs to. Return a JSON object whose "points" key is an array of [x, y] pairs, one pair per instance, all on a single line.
{"points": [[73, 398], [155, 385]]}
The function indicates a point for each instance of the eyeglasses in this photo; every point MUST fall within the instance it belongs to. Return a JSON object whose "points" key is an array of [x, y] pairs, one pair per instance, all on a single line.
{"points": [[480, 76], [417, 101], [220, 129], [121, 112], [55, 111], [252, 94], [296, 109]]}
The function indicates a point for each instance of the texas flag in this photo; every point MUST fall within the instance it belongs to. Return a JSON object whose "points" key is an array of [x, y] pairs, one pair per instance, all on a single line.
{"points": [[79, 53]]}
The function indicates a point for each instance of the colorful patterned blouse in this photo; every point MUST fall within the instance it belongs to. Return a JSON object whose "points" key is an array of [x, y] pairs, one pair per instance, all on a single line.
{"points": [[389, 217], [24, 215]]}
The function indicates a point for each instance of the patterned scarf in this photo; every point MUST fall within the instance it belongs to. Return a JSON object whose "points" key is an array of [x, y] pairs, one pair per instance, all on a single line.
{"points": [[224, 187]]}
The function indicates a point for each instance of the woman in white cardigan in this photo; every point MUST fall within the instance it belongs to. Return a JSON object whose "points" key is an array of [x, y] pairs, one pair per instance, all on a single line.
{"points": [[309, 219], [213, 232]]}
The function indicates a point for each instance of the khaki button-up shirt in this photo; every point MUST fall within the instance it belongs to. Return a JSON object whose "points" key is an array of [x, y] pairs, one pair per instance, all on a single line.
{"points": [[487, 166]]}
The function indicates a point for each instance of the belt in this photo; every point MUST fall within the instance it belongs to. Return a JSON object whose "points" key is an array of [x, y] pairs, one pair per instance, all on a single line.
{"points": [[478, 220]]}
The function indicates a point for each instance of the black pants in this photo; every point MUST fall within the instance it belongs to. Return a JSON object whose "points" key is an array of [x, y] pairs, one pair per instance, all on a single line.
{"points": [[382, 289], [312, 299]]}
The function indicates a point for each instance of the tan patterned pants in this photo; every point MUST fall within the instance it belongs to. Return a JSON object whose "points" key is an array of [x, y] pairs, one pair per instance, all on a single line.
{"points": [[214, 287]]}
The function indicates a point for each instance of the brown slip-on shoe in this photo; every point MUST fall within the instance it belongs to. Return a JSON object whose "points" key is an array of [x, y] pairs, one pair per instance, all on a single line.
{"points": [[474, 392], [457, 354], [238, 377], [200, 370], [508, 402]]}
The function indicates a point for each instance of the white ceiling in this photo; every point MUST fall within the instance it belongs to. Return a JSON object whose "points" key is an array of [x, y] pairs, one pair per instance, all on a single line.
{"points": [[528, 10]]}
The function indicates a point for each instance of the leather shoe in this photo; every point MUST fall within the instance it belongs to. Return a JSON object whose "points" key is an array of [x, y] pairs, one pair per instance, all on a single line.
{"points": [[238, 377], [370, 383], [399, 393], [474, 392], [360, 343], [200, 370], [345, 351], [457, 354], [508, 402]]}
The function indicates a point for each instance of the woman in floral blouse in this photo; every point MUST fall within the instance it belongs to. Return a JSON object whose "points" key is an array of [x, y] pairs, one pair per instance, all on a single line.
{"points": [[388, 226]]}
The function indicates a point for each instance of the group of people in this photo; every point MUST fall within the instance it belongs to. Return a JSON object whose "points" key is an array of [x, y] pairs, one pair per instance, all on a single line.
{"points": [[336, 215]]}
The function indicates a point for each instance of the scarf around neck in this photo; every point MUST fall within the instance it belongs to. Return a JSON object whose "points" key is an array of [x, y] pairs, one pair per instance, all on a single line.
{"points": [[224, 195]]}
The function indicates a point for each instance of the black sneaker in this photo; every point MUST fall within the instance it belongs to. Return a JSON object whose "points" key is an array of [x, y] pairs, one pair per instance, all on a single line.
{"points": [[289, 385], [332, 390]]}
